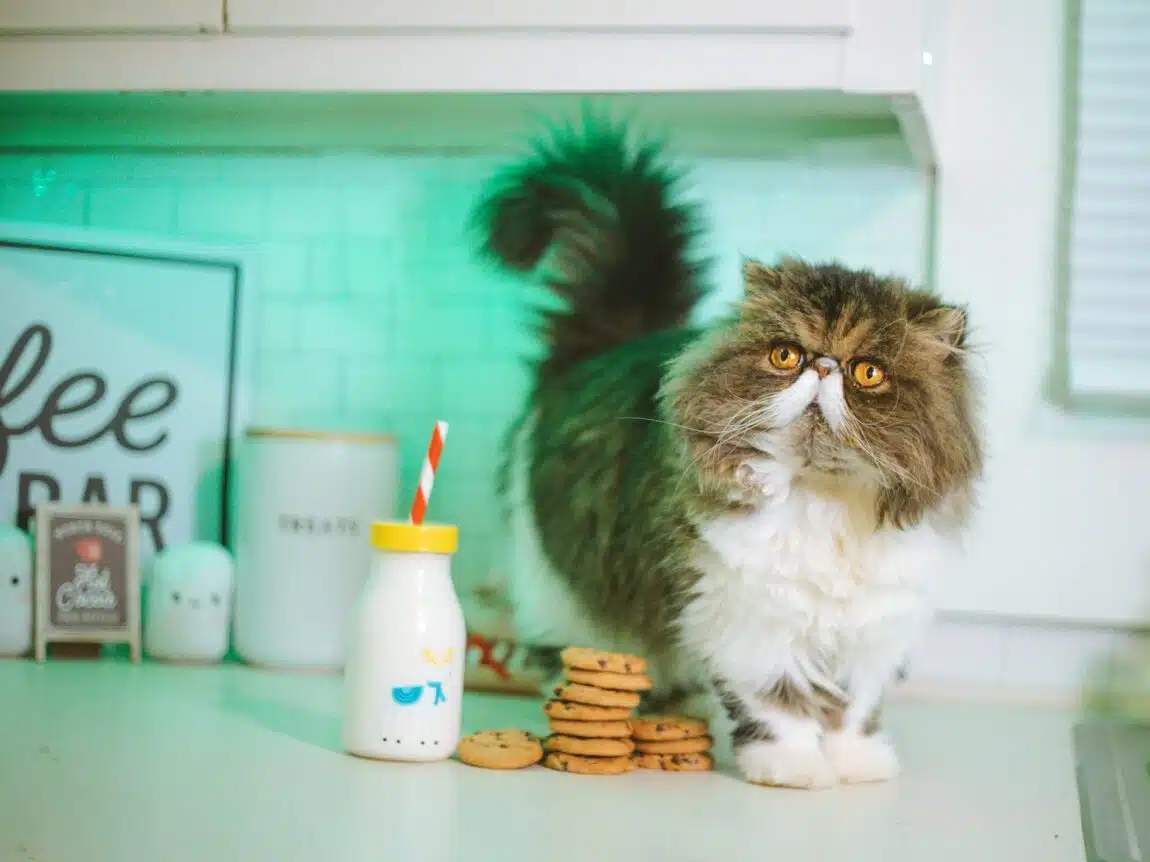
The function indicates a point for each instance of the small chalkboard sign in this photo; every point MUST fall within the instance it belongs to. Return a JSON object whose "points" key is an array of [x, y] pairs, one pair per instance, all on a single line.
{"points": [[87, 576]]}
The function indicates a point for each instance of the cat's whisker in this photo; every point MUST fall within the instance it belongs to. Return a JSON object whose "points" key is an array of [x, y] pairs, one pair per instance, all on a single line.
{"points": [[881, 461], [900, 472], [889, 412], [729, 433], [894, 423], [694, 465], [734, 426], [747, 409], [665, 422], [736, 397]]}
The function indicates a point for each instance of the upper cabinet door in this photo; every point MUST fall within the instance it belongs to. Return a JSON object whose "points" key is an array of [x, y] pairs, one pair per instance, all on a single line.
{"points": [[252, 15], [111, 16]]}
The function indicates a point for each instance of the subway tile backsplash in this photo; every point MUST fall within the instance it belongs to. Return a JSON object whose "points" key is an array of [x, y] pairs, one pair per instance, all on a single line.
{"points": [[373, 312]]}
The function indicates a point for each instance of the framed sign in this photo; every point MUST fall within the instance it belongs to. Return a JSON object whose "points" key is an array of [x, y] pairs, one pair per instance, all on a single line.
{"points": [[87, 586], [122, 371]]}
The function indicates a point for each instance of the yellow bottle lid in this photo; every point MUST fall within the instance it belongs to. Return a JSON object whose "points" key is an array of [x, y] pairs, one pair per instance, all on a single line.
{"points": [[421, 539]]}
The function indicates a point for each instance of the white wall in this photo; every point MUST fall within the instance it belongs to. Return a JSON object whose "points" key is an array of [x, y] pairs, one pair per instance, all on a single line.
{"points": [[1063, 531]]}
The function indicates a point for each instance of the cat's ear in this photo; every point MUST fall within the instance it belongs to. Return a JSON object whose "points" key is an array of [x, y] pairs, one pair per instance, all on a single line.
{"points": [[759, 278], [946, 323]]}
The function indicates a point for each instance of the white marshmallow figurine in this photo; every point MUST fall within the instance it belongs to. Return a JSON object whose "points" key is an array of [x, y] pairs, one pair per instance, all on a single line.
{"points": [[15, 591], [189, 606]]}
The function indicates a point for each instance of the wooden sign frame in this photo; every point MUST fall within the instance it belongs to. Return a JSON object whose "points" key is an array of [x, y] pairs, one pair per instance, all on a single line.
{"points": [[87, 566]]}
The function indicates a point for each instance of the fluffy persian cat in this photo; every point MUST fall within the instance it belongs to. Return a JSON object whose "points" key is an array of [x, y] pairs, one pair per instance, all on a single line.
{"points": [[757, 505]]}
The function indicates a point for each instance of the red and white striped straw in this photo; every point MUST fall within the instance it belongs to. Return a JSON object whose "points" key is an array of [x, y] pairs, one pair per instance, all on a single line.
{"points": [[427, 474]]}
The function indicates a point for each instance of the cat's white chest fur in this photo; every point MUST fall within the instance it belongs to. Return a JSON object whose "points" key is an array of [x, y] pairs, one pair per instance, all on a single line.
{"points": [[798, 588]]}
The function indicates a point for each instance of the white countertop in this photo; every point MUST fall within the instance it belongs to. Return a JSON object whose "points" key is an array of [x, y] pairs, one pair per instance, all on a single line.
{"points": [[109, 762]]}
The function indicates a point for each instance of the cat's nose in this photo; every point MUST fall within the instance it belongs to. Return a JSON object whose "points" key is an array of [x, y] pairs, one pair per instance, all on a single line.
{"points": [[824, 365]]}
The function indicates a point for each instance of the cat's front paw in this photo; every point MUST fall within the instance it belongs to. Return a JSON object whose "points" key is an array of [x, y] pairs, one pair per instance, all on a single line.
{"points": [[743, 488], [763, 478], [787, 763], [858, 758]]}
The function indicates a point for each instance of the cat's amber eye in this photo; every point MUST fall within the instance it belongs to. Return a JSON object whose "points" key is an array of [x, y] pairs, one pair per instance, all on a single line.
{"points": [[867, 374], [786, 357]]}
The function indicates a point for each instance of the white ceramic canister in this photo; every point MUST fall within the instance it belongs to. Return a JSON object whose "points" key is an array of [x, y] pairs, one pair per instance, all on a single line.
{"points": [[305, 504], [403, 683]]}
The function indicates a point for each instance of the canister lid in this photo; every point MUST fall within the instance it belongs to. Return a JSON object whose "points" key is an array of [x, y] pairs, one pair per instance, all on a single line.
{"points": [[424, 538]]}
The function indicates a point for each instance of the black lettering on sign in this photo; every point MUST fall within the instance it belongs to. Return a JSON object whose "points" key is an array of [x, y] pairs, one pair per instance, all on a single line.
{"points": [[54, 405], [150, 516], [95, 491], [119, 423], [25, 507], [75, 397]]}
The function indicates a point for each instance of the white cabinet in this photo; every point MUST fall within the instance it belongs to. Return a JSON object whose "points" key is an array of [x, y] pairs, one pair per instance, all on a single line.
{"points": [[618, 46], [872, 53], [272, 15], [110, 16]]}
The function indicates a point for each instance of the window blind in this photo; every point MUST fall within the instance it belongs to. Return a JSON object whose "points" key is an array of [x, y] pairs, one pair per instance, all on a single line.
{"points": [[1108, 308]]}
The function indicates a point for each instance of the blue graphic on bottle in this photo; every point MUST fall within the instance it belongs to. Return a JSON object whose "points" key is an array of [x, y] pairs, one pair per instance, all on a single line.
{"points": [[407, 695], [440, 697]]}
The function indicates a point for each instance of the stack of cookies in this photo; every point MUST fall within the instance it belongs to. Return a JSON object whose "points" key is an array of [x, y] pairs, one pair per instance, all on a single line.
{"points": [[589, 715], [672, 743]]}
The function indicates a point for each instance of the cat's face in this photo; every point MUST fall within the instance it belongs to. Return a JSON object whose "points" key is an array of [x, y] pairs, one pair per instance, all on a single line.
{"points": [[845, 378]]}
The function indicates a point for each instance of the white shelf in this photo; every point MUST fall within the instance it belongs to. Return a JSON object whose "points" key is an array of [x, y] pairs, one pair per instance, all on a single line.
{"points": [[724, 124], [761, 102]]}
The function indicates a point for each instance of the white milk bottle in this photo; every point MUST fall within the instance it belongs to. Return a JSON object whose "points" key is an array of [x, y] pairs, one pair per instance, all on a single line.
{"points": [[404, 674]]}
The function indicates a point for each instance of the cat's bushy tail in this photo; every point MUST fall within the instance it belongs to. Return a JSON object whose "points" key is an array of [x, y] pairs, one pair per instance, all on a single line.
{"points": [[603, 210]]}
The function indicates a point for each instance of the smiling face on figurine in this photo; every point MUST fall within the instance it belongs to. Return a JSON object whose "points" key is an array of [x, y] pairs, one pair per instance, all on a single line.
{"points": [[15, 591], [190, 604]]}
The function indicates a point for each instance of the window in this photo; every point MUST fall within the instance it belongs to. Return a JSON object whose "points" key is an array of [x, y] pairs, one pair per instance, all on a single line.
{"points": [[1107, 241]]}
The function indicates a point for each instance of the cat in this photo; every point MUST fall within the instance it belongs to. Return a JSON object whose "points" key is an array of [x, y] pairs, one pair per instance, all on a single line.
{"points": [[757, 504]]}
